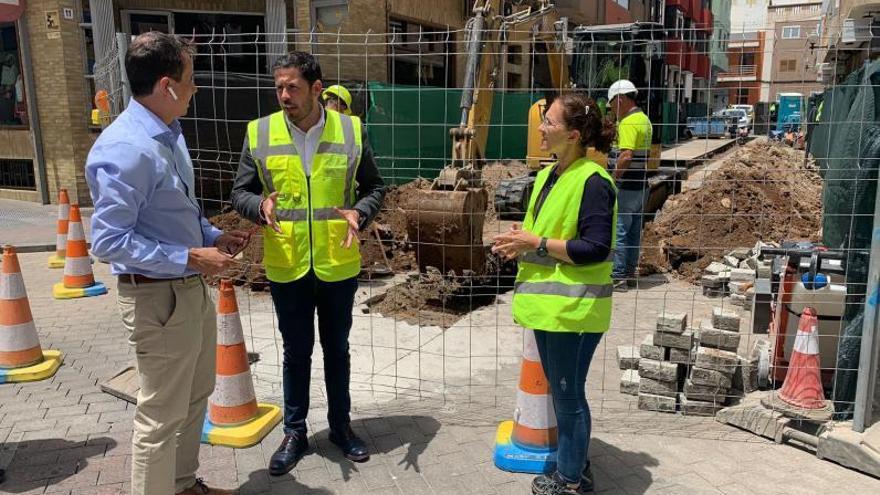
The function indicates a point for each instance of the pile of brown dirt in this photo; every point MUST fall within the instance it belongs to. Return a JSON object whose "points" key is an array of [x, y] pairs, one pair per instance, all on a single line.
{"points": [[391, 225], [431, 299], [762, 191]]}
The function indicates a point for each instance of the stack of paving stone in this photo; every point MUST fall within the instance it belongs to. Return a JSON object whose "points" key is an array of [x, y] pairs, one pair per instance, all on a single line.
{"points": [[665, 359], [628, 361], [710, 380], [735, 275]]}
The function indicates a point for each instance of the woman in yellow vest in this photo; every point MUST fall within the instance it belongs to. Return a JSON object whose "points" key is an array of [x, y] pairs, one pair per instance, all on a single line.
{"points": [[564, 287]]}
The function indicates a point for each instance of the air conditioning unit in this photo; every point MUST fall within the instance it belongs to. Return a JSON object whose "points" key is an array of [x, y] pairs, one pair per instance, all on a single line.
{"points": [[856, 30]]}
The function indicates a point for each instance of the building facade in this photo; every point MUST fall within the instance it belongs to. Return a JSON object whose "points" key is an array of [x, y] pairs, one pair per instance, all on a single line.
{"points": [[718, 47], [49, 51], [743, 79], [791, 64], [849, 35], [689, 27]]}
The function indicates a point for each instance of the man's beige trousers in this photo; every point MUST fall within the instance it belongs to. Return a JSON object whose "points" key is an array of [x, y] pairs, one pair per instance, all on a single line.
{"points": [[173, 329]]}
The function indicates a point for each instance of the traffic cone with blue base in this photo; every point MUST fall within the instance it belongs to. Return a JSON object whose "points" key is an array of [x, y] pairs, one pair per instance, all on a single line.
{"points": [[79, 280], [528, 443]]}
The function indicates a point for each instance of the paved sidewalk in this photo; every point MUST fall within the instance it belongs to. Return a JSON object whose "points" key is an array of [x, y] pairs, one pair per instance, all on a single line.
{"points": [[32, 225], [65, 436]]}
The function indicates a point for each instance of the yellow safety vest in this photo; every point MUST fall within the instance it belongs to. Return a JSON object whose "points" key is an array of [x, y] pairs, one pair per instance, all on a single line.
{"points": [[311, 230], [552, 295]]}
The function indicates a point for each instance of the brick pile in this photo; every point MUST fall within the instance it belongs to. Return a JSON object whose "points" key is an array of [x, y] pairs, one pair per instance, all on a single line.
{"points": [[682, 369], [735, 275]]}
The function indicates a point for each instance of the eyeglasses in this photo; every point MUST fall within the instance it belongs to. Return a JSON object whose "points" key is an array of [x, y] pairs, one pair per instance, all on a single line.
{"points": [[547, 122]]}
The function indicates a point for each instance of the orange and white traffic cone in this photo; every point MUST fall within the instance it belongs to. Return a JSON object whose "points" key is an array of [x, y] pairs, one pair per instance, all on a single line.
{"points": [[802, 394], [528, 443], [21, 356], [79, 280], [234, 418], [57, 259], [234, 401]]}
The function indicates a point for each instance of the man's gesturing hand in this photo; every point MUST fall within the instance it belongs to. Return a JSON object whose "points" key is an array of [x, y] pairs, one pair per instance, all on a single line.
{"points": [[267, 207], [352, 217]]}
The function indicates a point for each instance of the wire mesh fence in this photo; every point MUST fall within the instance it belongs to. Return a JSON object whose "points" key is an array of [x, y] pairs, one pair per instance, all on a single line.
{"points": [[757, 166]]}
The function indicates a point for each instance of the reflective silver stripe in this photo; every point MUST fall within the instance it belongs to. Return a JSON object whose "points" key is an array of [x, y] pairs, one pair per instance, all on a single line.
{"points": [[559, 289], [534, 259], [261, 153], [302, 214], [292, 215], [326, 214], [281, 150], [348, 136], [336, 148]]}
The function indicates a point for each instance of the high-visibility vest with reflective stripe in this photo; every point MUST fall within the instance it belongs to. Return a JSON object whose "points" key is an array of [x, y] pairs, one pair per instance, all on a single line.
{"points": [[552, 295], [641, 153], [311, 230]]}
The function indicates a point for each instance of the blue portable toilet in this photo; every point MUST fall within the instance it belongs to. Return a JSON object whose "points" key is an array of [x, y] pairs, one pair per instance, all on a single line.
{"points": [[790, 107]]}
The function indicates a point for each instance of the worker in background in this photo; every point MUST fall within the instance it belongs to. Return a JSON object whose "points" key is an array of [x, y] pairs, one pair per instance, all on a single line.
{"points": [[309, 177], [149, 226], [629, 161], [563, 287], [337, 98]]}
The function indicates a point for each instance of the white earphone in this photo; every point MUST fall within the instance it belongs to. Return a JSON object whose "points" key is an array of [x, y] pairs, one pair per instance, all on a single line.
{"points": [[173, 94]]}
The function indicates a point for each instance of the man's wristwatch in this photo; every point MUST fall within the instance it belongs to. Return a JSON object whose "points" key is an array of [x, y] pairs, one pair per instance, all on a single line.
{"points": [[542, 248]]}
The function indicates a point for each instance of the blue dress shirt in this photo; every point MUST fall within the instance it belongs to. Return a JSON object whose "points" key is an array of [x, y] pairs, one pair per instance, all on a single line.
{"points": [[141, 180]]}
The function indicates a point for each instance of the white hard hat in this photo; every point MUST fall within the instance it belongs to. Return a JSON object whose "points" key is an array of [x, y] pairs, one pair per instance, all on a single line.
{"points": [[621, 87]]}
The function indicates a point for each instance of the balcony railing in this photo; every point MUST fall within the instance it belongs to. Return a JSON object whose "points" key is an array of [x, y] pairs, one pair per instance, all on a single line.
{"points": [[739, 73]]}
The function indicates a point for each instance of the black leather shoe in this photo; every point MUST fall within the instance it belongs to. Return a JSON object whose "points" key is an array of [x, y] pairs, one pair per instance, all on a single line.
{"points": [[351, 445], [291, 450]]}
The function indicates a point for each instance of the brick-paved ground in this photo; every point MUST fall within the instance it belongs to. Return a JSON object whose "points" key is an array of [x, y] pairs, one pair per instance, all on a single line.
{"points": [[65, 436]]}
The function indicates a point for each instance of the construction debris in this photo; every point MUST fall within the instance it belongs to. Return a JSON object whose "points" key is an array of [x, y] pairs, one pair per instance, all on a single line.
{"points": [[771, 193]]}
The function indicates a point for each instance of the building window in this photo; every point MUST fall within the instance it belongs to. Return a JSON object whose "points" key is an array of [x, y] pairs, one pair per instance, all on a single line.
{"points": [[622, 3], [791, 32], [789, 65], [329, 14], [420, 54], [742, 96], [13, 102], [17, 174]]}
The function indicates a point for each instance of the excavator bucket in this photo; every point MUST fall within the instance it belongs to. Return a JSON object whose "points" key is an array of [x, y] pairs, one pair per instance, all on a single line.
{"points": [[447, 229]]}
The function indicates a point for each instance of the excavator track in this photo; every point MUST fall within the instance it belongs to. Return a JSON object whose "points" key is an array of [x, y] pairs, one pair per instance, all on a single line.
{"points": [[512, 197]]}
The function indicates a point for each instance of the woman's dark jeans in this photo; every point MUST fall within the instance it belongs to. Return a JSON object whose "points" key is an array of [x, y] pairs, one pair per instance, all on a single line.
{"points": [[566, 358]]}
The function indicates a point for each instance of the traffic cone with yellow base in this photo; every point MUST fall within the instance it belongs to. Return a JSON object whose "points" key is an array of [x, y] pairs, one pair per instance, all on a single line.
{"points": [[528, 443], [57, 259], [79, 280], [22, 359], [235, 419]]}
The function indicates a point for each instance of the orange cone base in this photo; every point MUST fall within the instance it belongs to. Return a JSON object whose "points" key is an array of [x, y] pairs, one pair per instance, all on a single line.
{"points": [[40, 371], [774, 402], [56, 262], [59, 291], [510, 457], [244, 435]]}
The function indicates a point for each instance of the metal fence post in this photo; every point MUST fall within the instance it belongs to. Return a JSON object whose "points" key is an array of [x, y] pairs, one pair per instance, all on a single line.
{"points": [[869, 355], [122, 40]]}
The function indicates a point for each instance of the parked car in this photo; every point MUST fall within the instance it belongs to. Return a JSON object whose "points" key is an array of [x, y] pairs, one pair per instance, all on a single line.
{"points": [[750, 110], [742, 118]]}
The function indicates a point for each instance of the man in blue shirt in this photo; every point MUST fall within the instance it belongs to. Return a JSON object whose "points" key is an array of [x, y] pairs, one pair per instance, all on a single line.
{"points": [[149, 226]]}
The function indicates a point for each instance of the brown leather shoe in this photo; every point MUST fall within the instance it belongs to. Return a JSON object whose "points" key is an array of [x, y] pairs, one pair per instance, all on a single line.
{"points": [[200, 488]]}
